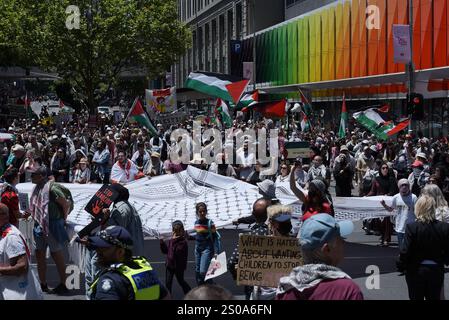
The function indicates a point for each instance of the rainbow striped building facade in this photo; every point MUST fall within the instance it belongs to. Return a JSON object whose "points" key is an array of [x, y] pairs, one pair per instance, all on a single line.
{"points": [[333, 43]]}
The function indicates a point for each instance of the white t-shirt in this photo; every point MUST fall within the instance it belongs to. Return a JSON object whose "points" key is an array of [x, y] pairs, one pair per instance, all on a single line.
{"points": [[24, 287], [124, 175], [405, 214], [247, 162]]}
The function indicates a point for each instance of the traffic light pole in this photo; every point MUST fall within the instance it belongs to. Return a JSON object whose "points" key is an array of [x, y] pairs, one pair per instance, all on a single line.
{"points": [[411, 69]]}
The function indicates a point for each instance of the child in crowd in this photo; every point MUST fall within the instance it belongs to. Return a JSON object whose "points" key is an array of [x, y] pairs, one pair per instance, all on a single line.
{"points": [[177, 253]]}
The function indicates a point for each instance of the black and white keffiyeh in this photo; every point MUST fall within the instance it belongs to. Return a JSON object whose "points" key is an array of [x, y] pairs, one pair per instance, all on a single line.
{"points": [[309, 276]]}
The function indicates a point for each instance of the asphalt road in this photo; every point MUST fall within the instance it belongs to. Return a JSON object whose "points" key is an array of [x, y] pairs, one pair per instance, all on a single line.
{"points": [[362, 256], [361, 251]]}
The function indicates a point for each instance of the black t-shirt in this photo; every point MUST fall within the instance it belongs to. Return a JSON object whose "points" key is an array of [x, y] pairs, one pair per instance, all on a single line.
{"points": [[17, 163]]}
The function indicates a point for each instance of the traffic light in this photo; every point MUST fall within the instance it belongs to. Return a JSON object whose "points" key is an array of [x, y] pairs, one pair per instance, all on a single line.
{"points": [[415, 106]]}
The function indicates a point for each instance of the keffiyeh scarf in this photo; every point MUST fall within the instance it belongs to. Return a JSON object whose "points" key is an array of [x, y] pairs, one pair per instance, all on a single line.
{"points": [[317, 172], [309, 276], [39, 205]]}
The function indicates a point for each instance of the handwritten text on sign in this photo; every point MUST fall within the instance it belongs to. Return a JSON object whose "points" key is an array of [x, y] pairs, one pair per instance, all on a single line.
{"points": [[103, 198], [263, 260]]}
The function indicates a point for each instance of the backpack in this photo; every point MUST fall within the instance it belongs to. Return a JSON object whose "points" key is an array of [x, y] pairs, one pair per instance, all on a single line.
{"points": [[67, 194], [367, 182]]}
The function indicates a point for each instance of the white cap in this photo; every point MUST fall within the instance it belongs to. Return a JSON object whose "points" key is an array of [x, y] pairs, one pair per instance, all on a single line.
{"points": [[17, 147]]}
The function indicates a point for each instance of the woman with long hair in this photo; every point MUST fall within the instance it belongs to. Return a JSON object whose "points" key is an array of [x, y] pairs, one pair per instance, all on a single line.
{"points": [[424, 252], [60, 166], [384, 183], [283, 174], [315, 200], [442, 209]]}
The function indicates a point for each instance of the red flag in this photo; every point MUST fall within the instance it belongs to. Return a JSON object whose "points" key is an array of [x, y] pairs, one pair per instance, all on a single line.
{"points": [[384, 109], [401, 126], [137, 109], [236, 89], [256, 95], [272, 109]]}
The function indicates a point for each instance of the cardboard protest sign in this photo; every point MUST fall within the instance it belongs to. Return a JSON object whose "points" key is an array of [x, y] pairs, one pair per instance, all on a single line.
{"points": [[298, 149], [24, 201], [102, 199], [217, 266], [263, 260]]}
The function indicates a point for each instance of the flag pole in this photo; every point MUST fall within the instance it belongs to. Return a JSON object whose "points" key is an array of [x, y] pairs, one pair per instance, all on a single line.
{"points": [[129, 112]]}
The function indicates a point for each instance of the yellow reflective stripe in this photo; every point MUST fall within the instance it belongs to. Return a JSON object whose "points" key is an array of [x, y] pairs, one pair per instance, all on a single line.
{"points": [[150, 293]]}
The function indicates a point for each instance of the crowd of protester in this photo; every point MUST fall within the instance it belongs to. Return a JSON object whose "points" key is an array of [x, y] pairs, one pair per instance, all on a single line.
{"points": [[411, 168]]}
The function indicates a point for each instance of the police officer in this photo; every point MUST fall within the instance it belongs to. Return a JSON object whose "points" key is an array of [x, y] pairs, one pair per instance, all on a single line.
{"points": [[125, 277]]}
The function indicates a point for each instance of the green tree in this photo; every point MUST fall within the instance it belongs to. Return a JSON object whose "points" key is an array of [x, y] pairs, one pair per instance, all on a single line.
{"points": [[113, 36]]}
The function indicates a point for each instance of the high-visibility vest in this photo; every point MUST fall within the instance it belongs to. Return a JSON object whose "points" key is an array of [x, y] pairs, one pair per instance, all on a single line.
{"points": [[143, 280]]}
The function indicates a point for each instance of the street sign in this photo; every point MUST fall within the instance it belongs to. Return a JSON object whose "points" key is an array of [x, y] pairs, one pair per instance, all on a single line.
{"points": [[401, 42], [248, 71], [298, 149]]}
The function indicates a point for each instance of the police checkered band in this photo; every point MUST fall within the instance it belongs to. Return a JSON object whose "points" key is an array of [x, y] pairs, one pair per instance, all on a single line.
{"points": [[112, 240]]}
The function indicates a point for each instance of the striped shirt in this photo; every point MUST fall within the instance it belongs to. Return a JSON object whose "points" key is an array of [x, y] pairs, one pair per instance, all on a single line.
{"points": [[202, 231]]}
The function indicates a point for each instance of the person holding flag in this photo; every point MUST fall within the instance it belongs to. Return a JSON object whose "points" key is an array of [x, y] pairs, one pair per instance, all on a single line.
{"points": [[138, 114], [307, 106], [222, 110], [343, 120]]}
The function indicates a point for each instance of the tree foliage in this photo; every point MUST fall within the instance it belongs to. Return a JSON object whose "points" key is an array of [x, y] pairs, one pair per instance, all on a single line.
{"points": [[113, 35]]}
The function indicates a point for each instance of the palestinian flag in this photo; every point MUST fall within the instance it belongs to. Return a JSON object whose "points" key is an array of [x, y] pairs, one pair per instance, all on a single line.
{"points": [[225, 87], [372, 120], [223, 109], [138, 115], [306, 104], [384, 109], [248, 100], [269, 109], [343, 120], [399, 127], [305, 123]]}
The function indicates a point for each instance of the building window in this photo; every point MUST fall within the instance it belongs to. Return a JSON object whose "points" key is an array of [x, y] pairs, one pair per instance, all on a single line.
{"points": [[289, 3], [214, 45], [230, 23], [238, 16], [207, 47]]}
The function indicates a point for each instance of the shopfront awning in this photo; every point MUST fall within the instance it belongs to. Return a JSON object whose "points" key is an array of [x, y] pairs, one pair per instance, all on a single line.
{"points": [[430, 82]]}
